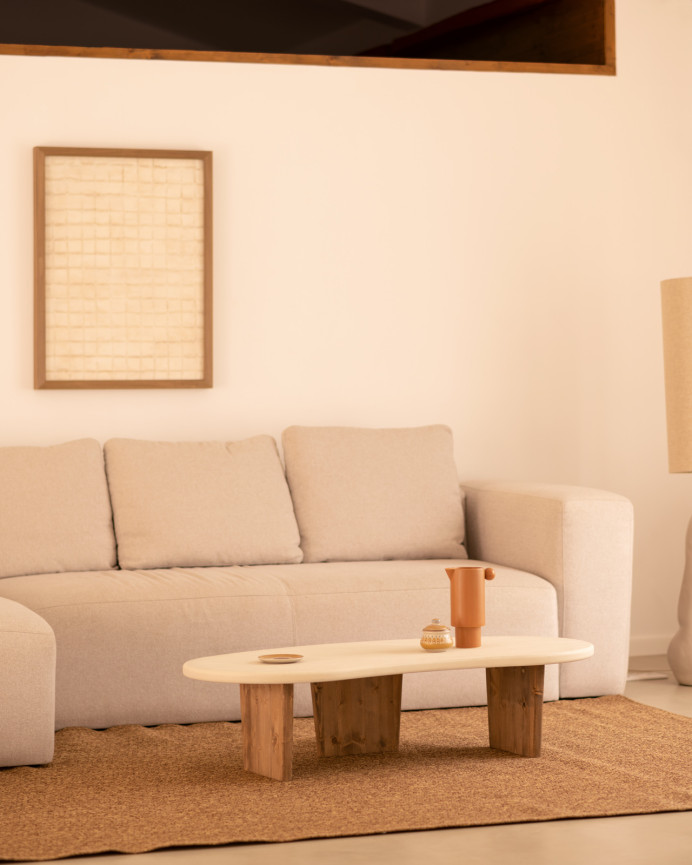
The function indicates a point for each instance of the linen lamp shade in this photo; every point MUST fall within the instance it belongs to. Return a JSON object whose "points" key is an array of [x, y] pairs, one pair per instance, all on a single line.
{"points": [[676, 302]]}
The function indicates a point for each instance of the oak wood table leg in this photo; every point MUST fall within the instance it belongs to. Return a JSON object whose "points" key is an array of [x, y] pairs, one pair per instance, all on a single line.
{"points": [[357, 716], [515, 709], [266, 713]]}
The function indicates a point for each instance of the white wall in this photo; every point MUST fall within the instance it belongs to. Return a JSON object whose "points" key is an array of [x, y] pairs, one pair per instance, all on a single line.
{"points": [[400, 247]]}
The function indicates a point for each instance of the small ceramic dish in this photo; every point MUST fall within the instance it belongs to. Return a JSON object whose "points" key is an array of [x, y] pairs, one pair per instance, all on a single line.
{"points": [[280, 659]]}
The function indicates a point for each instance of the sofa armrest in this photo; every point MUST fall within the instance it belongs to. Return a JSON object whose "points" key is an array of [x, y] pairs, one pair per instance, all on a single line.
{"points": [[578, 539], [27, 686]]}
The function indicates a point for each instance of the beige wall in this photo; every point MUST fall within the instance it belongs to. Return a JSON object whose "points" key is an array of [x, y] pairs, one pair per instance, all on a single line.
{"points": [[400, 247]]}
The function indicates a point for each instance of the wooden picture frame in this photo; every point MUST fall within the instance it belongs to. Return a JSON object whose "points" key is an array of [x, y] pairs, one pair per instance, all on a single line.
{"points": [[122, 268]]}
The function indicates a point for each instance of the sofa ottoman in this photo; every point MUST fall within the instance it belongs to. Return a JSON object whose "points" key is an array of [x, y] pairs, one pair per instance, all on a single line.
{"points": [[27, 686]]}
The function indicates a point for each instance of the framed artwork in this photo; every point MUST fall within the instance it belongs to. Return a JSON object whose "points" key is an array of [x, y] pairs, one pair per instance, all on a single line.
{"points": [[123, 268]]}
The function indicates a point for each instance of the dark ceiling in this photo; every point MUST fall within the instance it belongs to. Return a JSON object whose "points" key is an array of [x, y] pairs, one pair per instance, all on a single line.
{"points": [[262, 26]]}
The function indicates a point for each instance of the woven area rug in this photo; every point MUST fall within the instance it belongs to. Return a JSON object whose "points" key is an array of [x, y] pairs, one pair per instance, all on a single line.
{"points": [[134, 789]]}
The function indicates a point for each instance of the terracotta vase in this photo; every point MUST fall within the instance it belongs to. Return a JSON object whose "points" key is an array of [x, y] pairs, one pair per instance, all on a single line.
{"points": [[468, 604]]}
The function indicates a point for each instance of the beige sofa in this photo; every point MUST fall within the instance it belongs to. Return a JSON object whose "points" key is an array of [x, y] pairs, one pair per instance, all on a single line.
{"points": [[114, 572]]}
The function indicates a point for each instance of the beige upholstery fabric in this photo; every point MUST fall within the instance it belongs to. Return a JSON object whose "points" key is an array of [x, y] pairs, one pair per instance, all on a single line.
{"points": [[341, 602], [123, 636], [581, 541], [27, 686], [195, 504], [55, 513], [363, 494]]}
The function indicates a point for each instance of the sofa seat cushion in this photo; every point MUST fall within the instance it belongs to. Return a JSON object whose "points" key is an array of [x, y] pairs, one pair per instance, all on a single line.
{"points": [[401, 597], [123, 636], [337, 602], [200, 504], [55, 514], [365, 494]]}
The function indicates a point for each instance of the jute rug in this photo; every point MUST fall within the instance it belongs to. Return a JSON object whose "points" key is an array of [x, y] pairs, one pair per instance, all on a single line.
{"points": [[133, 789]]}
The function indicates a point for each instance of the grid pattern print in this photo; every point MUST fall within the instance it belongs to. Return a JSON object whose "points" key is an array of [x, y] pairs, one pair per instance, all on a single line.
{"points": [[124, 268]]}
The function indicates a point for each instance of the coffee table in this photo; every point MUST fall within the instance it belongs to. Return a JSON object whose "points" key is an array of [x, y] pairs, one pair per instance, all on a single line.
{"points": [[356, 693]]}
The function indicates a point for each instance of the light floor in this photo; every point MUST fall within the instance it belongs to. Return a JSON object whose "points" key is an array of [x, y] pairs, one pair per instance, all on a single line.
{"points": [[658, 839]]}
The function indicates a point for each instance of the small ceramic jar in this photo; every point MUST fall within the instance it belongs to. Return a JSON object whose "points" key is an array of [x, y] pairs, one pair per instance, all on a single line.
{"points": [[436, 637]]}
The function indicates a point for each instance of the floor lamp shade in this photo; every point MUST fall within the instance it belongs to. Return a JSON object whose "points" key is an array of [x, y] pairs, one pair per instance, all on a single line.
{"points": [[676, 301]]}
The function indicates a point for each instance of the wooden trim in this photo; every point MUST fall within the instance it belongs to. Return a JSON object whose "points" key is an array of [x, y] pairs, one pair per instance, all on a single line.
{"points": [[40, 378], [127, 152], [39, 269], [306, 59], [208, 289], [119, 384], [609, 34]]}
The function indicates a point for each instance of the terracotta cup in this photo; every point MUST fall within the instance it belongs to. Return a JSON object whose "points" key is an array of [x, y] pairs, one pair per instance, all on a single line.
{"points": [[467, 586]]}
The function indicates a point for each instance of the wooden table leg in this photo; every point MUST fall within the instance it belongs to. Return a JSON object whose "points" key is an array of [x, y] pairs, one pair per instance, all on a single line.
{"points": [[515, 709], [266, 713], [357, 716]]}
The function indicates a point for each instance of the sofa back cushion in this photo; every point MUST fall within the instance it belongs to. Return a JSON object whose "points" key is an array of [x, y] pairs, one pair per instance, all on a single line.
{"points": [[197, 504], [55, 514], [365, 494]]}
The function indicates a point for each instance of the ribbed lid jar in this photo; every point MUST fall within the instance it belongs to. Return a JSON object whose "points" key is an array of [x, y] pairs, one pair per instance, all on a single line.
{"points": [[436, 637]]}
